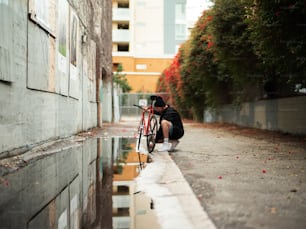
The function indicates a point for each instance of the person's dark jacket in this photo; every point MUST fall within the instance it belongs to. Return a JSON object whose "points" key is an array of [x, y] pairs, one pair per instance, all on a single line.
{"points": [[170, 114]]}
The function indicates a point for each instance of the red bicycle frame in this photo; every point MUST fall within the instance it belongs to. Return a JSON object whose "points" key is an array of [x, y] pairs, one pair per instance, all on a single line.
{"points": [[148, 125]]}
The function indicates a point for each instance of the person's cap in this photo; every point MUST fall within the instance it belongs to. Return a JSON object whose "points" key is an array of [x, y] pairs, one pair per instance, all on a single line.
{"points": [[159, 102]]}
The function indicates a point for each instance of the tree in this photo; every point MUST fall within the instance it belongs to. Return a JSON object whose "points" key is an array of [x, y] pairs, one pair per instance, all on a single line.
{"points": [[238, 50], [278, 34], [234, 50], [121, 80], [203, 80], [170, 82]]}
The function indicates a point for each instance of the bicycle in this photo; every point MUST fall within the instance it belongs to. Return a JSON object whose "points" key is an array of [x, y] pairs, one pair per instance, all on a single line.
{"points": [[148, 125]]}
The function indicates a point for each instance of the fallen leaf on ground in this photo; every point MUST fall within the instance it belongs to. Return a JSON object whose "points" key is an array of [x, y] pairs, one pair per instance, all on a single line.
{"points": [[273, 210]]}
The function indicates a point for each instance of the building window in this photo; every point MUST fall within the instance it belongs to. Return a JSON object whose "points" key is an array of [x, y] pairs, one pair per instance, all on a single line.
{"points": [[180, 31], [123, 5], [115, 67], [123, 47], [123, 189], [141, 66], [123, 211], [180, 12], [117, 212], [123, 26]]}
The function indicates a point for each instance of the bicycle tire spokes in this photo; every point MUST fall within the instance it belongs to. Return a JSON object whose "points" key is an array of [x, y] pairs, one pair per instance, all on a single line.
{"points": [[152, 134]]}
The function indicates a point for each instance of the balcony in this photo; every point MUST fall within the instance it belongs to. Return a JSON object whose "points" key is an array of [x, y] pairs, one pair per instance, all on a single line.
{"points": [[121, 35], [121, 14], [121, 201]]}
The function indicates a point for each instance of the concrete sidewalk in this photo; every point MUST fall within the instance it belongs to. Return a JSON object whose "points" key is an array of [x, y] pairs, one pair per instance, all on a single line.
{"points": [[245, 178]]}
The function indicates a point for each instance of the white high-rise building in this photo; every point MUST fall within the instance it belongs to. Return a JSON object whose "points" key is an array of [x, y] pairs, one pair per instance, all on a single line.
{"points": [[146, 37]]}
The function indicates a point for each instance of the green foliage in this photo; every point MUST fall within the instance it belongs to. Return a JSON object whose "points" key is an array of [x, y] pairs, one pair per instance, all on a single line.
{"points": [[278, 34], [241, 50], [122, 157], [171, 82], [62, 49], [233, 49], [204, 82], [121, 80]]}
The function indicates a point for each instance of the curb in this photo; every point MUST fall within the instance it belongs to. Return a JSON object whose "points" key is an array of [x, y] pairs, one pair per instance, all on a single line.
{"points": [[175, 203]]}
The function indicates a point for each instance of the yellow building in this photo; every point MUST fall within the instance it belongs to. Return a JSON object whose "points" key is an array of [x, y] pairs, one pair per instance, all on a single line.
{"points": [[142, 73], [131, 169]]}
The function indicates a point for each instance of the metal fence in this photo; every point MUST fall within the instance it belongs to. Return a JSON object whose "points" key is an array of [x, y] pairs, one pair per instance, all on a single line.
{"points": [[127, 101]]}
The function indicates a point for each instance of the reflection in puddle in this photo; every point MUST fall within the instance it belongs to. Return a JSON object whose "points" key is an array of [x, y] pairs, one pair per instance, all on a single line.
{"points": [[130, 207]]}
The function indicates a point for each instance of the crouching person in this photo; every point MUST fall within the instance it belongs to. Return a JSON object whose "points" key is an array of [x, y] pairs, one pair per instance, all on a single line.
{"points": [[171, 126]]}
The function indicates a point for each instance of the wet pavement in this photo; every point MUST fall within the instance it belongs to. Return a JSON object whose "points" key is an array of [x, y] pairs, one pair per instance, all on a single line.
{"points": [[154, 193]]}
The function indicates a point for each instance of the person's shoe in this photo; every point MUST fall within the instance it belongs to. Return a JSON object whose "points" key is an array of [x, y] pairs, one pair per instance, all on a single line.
{"points": [[165, 147], [149, 159], [174, 143]]}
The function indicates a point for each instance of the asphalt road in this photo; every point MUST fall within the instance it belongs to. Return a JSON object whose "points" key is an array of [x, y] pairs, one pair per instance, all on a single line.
{"points": [[245, 178]]}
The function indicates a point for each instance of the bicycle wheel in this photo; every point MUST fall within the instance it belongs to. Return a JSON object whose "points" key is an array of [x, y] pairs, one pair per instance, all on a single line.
{"points": [[152, 134]]}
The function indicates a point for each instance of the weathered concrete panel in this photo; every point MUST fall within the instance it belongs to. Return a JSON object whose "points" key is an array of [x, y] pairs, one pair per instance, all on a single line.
{"points": [[107, 99], [39, 62], [6, 55], [54, 215], [89, 181], [45, 101], [285, 115], [89, 107], [75, 208], [45, 218]]}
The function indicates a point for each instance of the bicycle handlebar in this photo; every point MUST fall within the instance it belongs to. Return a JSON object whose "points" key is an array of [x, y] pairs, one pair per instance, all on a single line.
{"points": [[140, 107], [152, 97]]}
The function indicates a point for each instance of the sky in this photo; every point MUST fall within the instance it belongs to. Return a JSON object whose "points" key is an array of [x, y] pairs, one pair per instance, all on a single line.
{"points": [[195, 8]]}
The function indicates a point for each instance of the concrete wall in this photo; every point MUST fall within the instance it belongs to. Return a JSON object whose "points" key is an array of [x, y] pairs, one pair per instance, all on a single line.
{"points": [[116, 103], [54, 56], [286, 115], [47, 90], [107, 113]]}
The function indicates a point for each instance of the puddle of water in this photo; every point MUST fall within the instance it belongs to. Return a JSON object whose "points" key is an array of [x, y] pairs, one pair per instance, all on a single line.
{"points": [[122, 205]]}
